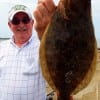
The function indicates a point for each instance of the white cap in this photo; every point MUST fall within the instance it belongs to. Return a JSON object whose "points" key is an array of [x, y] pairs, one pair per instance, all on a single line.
{"points": [[18, 8]]}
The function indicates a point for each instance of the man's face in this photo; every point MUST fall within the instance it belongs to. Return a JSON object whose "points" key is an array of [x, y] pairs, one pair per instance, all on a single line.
{"points": [[21, 26]]}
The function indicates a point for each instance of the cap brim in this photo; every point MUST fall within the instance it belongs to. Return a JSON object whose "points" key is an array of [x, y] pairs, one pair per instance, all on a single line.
{"points": [[14, 13]]}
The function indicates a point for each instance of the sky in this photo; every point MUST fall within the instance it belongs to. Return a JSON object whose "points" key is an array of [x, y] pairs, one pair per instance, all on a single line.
{"points": [[5, 6]]}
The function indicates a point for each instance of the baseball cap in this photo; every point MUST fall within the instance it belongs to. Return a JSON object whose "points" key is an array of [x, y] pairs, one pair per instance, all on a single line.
{"points": [[18, 8]]}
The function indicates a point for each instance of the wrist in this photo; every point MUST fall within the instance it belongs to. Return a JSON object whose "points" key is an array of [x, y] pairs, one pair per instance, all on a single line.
{"points": [[40, 31]]}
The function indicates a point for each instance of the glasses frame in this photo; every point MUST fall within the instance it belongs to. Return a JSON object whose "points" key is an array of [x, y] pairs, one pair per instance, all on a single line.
{"points": [[24, 20]]}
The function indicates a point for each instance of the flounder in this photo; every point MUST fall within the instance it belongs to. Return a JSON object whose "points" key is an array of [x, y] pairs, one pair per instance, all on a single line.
{"points": [[68, 51]]}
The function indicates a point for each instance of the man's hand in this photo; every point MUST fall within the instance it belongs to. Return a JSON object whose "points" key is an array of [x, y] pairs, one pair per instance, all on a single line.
{"points": [[43, 14]]}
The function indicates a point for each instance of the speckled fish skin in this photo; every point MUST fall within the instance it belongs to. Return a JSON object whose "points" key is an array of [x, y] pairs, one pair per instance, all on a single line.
{"points": [[68, 48]]}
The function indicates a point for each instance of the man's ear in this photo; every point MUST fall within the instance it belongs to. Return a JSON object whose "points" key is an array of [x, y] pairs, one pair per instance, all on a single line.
{"points": [[9, 24], [32, 21]]}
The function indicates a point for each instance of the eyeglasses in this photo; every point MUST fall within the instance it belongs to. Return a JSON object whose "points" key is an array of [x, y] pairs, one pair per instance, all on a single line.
{"points": [[16, 21]]}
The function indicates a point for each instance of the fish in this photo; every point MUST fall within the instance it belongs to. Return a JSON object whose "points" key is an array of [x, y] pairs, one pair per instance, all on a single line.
{"points": [[68, 48]]}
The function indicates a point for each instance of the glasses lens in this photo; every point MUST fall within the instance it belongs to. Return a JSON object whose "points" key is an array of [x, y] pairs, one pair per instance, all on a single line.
{"points": [[16, 21], [26, 20]]}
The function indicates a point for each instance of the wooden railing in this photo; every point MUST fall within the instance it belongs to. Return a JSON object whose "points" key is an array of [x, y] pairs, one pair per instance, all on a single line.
{"points": [[98, 58]]}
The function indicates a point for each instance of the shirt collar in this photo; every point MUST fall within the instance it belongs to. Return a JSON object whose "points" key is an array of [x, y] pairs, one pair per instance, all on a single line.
{"points": [[13, 43]]}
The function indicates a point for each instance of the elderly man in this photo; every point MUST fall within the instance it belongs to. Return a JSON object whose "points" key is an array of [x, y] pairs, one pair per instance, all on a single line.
{"points": [[20, 74]]}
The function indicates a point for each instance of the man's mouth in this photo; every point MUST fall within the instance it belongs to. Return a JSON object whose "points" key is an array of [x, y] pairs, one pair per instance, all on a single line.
{"points": [[21, 29]]}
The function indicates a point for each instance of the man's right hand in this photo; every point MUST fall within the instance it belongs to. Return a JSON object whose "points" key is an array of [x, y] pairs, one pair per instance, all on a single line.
{"points": [[43, 14]]}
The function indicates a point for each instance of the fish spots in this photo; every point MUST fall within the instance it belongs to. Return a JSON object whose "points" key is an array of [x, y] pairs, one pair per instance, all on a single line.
{"points": [[68, 77]]}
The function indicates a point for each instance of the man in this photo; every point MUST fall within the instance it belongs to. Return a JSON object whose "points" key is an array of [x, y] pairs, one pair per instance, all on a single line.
{"points": [[20, 74]]}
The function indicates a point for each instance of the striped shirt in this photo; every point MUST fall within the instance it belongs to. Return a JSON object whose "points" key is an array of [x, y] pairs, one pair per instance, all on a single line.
{"points": [[20, 75]]}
